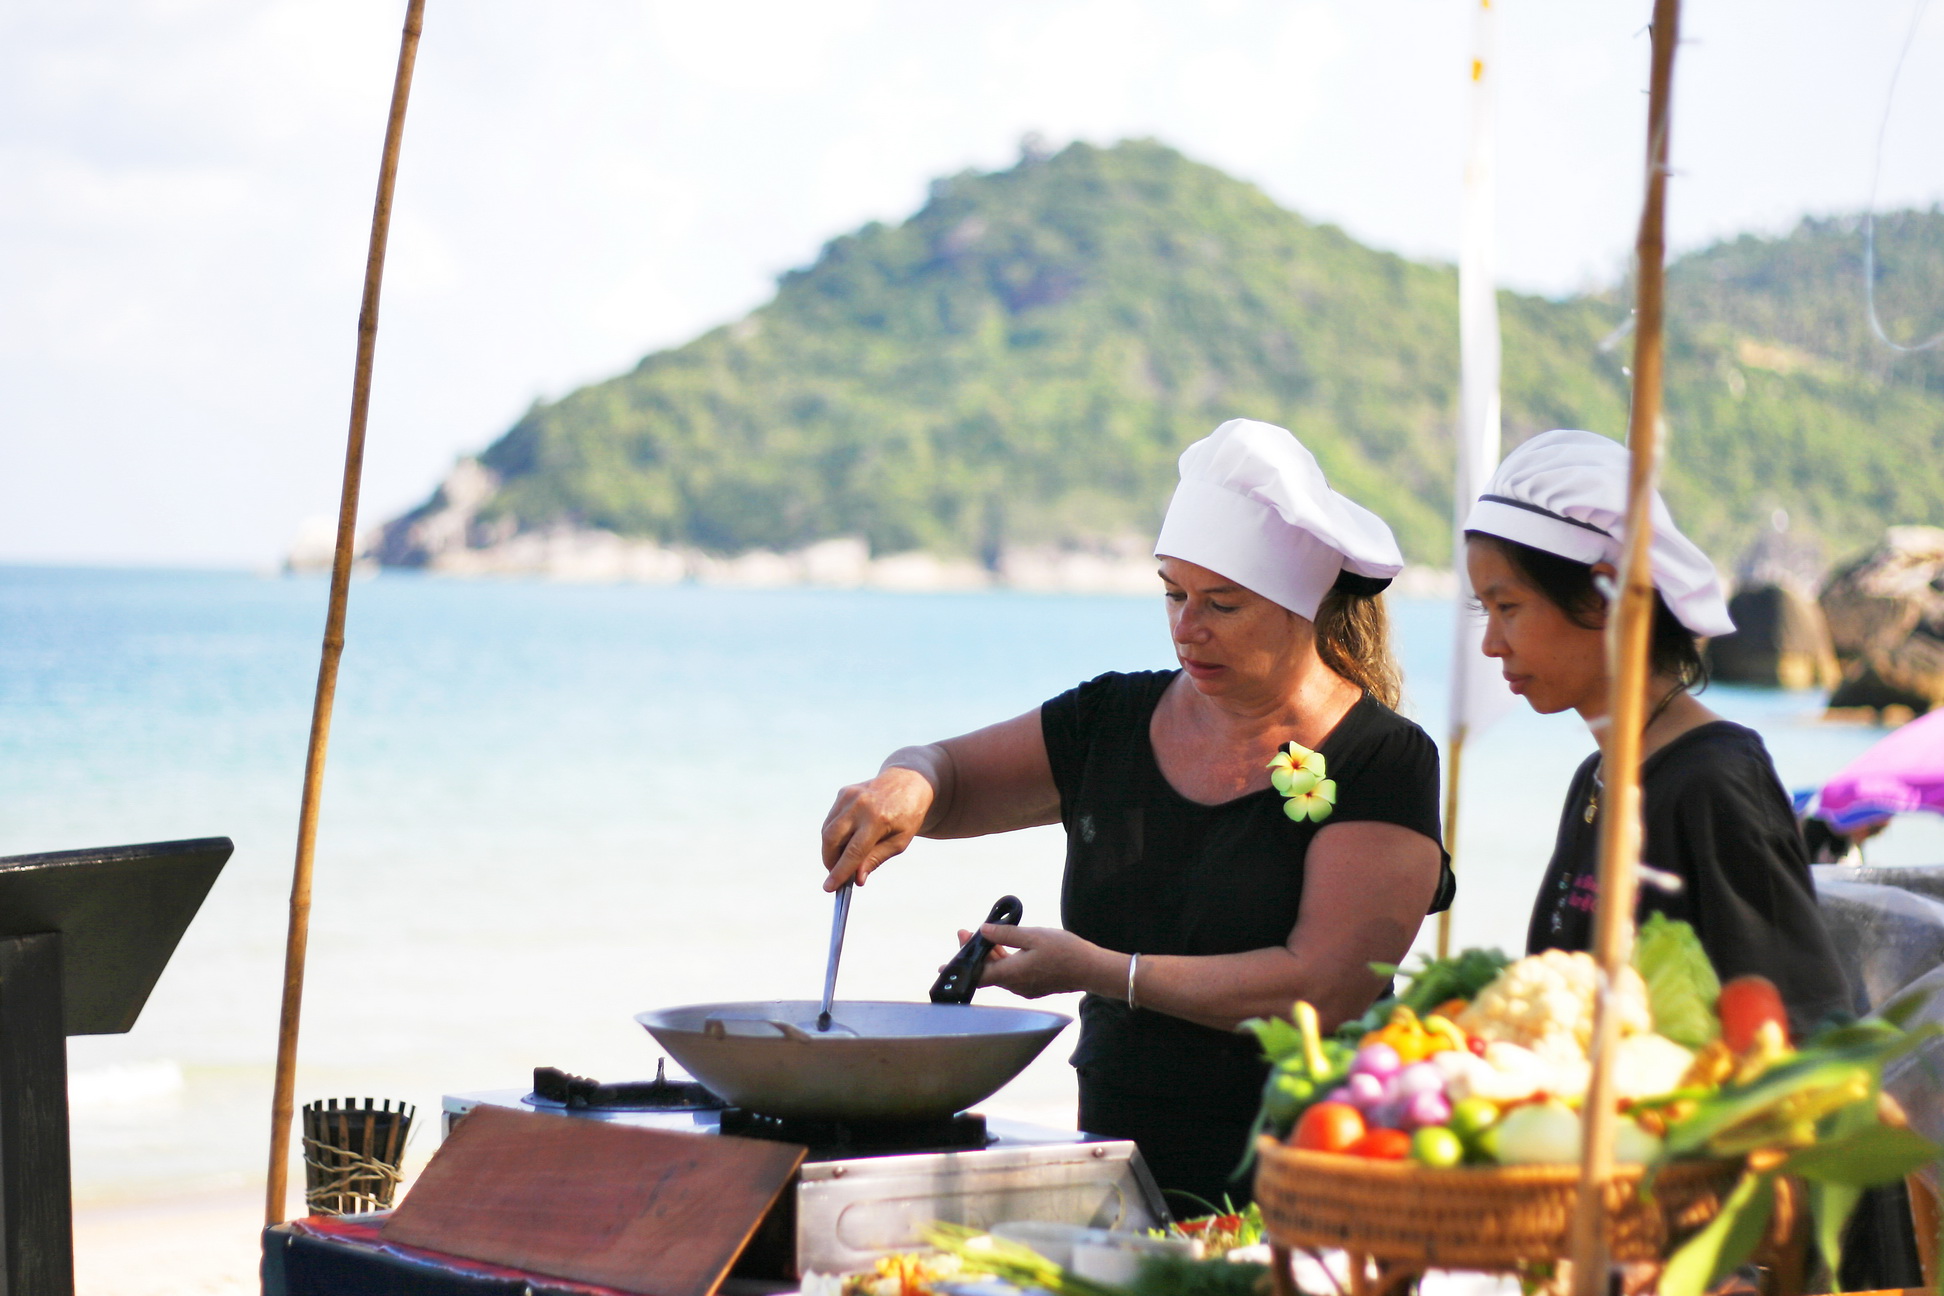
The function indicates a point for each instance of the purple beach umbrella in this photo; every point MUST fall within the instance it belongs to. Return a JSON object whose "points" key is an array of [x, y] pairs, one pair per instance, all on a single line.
{"points": [[1904, 772]]}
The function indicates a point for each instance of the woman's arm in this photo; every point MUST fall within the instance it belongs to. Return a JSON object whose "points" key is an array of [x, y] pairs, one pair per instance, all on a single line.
{"points": [[1366, 886], [992, 780]]}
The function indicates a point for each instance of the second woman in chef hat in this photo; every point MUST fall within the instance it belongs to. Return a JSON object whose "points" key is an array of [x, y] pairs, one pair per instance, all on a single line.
{"points": [[1542, 544], [1254, 827]]}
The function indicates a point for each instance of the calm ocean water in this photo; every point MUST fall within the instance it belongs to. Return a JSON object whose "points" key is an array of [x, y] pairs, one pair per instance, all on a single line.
{"points": [[550, 807]]}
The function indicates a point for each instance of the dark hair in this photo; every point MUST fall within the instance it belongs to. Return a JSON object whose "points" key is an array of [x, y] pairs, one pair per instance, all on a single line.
{"points": [[1672, 649], [1353, 639]]}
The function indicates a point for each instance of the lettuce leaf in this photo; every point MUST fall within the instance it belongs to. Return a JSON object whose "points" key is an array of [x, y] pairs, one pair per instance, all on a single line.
{"points": [[1682, 987]]}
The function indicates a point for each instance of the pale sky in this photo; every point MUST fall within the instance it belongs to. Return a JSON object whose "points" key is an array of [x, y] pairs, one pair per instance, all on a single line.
{"points": [[188, 187]]}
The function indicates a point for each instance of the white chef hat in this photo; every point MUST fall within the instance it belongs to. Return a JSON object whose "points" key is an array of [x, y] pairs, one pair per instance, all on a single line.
{"points": [[1253, 506], [1565, 492]]}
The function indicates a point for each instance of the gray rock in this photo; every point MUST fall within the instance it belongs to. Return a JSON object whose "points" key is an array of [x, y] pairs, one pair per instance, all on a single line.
{"points": [[1780, 640], [1885, 613]]}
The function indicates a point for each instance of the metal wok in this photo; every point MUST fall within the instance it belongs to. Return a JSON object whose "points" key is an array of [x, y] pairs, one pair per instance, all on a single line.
{"points": [[879, 1061]]}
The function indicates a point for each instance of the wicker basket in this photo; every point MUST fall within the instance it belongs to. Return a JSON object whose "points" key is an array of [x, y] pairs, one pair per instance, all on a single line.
{"points": [[1485, 1218], [352, 1155]]}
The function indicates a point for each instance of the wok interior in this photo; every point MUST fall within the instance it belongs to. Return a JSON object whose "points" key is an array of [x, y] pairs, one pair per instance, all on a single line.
{"points": [[866, 1019]]}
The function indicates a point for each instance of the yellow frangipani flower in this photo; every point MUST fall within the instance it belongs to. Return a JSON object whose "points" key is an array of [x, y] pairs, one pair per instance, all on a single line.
{"points": [[1298, 773]]}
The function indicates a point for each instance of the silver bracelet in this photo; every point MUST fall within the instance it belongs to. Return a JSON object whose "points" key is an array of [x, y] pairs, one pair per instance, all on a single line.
{"points": [[1133, 962]]}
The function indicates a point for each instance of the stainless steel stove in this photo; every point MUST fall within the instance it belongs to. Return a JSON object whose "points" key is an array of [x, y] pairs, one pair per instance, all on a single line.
{"points": [[866, 1191]]}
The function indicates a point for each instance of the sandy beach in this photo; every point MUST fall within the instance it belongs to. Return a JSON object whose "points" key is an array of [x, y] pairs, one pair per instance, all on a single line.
{"points": [[197, 1246]]}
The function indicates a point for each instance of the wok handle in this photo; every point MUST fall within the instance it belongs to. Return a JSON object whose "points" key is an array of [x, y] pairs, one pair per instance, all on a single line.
{"points": [[960, 977]]}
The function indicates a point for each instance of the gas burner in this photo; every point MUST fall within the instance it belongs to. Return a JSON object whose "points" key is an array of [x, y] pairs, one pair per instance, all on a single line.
{"points": [[830, 1140], [554, 1088]]}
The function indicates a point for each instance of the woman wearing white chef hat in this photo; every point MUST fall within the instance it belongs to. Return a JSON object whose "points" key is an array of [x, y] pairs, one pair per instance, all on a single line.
{"points": [[1255, 827], [1540, 543]]}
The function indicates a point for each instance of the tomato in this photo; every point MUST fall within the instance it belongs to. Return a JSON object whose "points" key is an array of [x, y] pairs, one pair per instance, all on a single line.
{"points": [[1328, 1127], [1382, 1145], [1747, 1002]]}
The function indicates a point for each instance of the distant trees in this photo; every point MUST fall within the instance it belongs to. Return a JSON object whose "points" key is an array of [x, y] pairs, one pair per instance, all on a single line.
{"points": [[1022, 361]]}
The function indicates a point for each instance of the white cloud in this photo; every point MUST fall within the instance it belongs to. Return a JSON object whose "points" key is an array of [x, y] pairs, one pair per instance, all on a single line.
{"points": [[189, 190], [762, 48]]}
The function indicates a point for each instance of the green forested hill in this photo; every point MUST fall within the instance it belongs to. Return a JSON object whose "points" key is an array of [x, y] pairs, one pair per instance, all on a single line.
{"points": [[1023, 359], [1780, 396]]}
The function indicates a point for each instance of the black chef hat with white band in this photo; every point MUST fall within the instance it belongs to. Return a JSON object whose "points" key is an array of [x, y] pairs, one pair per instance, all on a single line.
{"points": [[1253, 506], [1565, 492]]}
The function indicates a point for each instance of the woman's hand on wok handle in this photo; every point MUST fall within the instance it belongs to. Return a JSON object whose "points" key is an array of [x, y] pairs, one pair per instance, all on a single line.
{"points": [[1036, 961], [993, 780], [1366, 886]]}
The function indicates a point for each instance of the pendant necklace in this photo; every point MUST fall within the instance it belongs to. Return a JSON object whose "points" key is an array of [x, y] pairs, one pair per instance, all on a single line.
{"points": [[1599, 784]]}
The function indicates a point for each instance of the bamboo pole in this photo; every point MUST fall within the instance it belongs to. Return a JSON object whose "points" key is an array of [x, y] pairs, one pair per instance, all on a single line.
{"points": [[1473, 704], [1457, 748], [298, 939], [1627, 641]]}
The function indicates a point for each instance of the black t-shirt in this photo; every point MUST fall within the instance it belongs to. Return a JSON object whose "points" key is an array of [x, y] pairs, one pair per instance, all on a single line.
{"points": [[1716, 817], [1148, 871]]}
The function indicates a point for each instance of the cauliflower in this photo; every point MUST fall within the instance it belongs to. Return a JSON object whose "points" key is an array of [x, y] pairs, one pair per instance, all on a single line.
{"points": [[1545, 1003], [1537, 1021]]}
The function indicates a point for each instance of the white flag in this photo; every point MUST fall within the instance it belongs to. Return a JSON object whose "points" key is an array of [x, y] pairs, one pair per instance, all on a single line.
{"points": [[1478, 692]]}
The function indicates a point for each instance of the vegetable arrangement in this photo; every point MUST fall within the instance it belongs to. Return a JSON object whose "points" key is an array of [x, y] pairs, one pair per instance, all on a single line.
{"points": [[899, 1274], [1226, 1234], [977, 1253], [1483, 1061]]}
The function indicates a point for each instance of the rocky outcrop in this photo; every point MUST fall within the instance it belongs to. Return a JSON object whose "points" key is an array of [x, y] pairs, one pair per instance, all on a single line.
{"points": [[1780, 638], [448, 535], [446, 524], [1886, 619], [1780, 641]]}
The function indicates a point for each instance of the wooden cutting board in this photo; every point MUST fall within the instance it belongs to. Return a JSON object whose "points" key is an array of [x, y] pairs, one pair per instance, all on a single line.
{"points": [[647, 1211]]}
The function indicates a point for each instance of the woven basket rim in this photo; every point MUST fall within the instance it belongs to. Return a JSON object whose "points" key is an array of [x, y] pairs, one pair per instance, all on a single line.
{"points": [[1509, 1175], [1473, 1216]]}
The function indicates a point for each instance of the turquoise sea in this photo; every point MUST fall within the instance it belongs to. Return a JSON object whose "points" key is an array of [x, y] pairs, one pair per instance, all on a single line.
{"points": [[551, 806]]}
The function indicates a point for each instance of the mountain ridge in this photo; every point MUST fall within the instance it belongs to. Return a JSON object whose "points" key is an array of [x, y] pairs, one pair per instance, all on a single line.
{"points": [[1016, 367]]}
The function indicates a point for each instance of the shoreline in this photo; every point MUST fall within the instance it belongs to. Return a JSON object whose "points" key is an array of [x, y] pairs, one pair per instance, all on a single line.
{"points": [[590, 557]]}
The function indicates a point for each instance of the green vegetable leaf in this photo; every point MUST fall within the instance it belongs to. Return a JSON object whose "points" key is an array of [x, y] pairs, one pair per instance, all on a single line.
{"points": [[1735, 1104], [1846, 1058], [1900, 1010], [1682, 988], [1875, 1154], [1352, 1031], [1830, 1204], [1013, 1262], [1278, 1038], [1460, 977], [1730, 1238], [1257, 1128], [1871, 1031]]}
